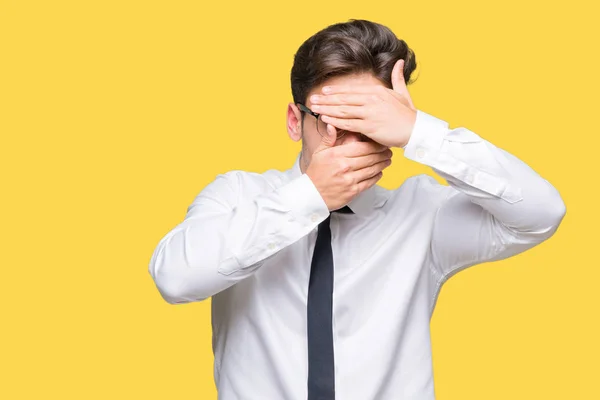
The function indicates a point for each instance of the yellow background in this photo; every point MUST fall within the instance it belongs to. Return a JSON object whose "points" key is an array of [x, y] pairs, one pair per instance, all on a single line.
{"points": [[115, 114]]}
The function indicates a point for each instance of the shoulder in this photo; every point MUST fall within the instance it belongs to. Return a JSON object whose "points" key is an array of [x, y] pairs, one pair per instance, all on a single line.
{"points": [[228, 188], [421, 190], [247, 181]]}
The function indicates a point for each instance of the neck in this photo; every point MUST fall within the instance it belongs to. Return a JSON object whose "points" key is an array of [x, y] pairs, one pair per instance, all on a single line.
{"points": [[302, 161]]}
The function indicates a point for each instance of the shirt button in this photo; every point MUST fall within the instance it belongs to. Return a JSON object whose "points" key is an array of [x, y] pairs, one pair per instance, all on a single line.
{"points": [[420, 152], [314, 218], [271, 246]]}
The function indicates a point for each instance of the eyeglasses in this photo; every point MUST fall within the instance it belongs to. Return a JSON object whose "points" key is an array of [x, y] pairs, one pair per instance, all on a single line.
{"points": [[321, 125]]}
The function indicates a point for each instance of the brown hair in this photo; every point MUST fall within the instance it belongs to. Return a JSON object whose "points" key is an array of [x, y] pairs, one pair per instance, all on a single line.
{"points": [[356, 46]]}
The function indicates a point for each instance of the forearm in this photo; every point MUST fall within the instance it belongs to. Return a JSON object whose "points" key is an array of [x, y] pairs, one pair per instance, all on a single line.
{"points": [[499, 206], [494, 179], [219, 243]]}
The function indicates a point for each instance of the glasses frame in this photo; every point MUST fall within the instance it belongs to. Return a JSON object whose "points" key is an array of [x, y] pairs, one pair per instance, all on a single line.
{"points": [[316, 115]]}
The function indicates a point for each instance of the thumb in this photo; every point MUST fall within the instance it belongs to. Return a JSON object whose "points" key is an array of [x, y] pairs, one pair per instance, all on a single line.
{"points": [[328, 139], [398, 83]]}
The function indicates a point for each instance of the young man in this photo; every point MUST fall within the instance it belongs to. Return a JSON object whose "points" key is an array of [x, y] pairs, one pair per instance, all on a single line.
{"points": [[322, 282]]}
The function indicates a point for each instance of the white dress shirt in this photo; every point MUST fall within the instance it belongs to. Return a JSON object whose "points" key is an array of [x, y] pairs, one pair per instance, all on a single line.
{"points": [[248, 238]]}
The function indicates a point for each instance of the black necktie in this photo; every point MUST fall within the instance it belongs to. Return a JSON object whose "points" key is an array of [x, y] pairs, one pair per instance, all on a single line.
{"points": [[321, 383]]}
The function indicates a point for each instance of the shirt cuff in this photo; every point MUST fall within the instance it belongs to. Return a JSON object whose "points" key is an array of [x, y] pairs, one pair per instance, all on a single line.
{"points": [[304, 200], [426, 139]]}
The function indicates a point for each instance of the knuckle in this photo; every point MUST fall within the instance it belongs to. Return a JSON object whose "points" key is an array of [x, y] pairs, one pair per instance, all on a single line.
{"points": [[348, 180], [363, 111], [344, 166]]}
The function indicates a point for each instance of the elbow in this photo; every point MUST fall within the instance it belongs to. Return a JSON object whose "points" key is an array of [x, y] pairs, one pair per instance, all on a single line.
{"points": [[549, 215], [184, 273], [174, 289], [177, 287], [539, 220], [170, 291], [558, 212], [554, 211], [176, 284]]}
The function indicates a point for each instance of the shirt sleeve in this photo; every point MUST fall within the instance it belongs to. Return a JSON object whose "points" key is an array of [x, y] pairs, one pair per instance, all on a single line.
{"points": [[227, 235], [496, 207]]}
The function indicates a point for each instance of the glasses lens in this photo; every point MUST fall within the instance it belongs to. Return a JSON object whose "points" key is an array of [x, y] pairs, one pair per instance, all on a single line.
{"points": [[322, 128]]}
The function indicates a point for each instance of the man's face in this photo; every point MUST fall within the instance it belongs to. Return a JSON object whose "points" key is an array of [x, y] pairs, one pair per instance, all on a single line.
{"points": [[309, 134]]}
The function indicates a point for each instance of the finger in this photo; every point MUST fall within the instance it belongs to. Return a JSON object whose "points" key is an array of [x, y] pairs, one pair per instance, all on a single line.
{"points": [[370, 159], [335, 89], [344, 98], [328, 139], [399, 84], [347, 124], [368, 172], [367, 183], [340, 111], [359, 149], [334, 131]]}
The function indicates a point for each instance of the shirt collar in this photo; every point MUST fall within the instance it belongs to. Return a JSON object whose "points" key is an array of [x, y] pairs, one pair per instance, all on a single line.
{"points": [[363, 204]]}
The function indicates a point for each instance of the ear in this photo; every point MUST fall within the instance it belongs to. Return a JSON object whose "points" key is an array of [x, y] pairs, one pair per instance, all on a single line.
{"points": [[294, 125]]}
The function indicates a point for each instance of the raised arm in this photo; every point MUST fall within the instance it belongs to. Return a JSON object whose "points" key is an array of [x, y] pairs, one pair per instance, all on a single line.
{"points": [[226, 235], [498, 207]]}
